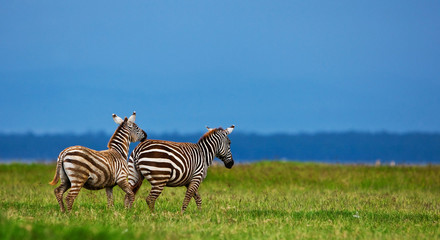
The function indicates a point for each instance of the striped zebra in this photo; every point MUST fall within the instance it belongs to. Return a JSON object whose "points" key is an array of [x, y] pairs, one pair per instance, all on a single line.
{"points": [[79, 166], [174, 164]]}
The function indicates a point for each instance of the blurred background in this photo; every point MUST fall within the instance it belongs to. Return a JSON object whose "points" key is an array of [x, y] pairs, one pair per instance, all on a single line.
{"points": [[304, 80]]}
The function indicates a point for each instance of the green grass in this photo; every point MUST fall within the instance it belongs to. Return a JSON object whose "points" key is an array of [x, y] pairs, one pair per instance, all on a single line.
{"points": [[266, 200]]}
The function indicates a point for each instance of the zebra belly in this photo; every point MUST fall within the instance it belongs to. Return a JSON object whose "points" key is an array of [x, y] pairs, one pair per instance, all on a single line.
{"points": [[93, 184]]}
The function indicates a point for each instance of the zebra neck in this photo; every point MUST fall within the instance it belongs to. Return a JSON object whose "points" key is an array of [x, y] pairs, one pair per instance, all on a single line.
{"points": [[120, 142], [208, 146], [209, 158]]}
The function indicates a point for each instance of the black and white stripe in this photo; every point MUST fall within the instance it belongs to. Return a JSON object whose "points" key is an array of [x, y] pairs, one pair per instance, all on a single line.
{"points": [[79, 166], [174, 164]]}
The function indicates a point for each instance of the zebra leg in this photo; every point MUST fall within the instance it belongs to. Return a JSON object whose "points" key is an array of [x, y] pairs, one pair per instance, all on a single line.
{"points": [[109, 192], [129, 195], [197, 198], [155, 191], [59, 191], [190, 193], [134, 189], [73, 193]]}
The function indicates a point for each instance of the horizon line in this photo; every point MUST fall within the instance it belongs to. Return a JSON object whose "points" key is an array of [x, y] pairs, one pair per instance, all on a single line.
{"points": [[259, 133]]}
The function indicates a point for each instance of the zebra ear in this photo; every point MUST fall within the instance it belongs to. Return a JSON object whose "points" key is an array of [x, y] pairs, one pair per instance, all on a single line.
{"points": [[209, 129], [132, 117], [230, 129], [117, 119]]}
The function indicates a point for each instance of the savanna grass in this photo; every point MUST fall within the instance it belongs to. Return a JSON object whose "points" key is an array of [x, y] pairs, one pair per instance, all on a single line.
{"points": [[265, 200]]}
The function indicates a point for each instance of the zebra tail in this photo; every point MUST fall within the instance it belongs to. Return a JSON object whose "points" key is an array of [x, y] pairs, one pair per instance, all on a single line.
{"points": [[56, 178]]}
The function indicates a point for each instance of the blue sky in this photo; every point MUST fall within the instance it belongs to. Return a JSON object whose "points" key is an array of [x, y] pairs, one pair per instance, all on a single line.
{"points": [[265, 66]]}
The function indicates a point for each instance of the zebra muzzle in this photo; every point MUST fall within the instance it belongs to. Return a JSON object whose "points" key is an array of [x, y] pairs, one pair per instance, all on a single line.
{"points": [[229, 164]]}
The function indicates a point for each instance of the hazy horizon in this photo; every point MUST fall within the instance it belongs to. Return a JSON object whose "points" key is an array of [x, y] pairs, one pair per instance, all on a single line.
{"points": [[201, 132]]}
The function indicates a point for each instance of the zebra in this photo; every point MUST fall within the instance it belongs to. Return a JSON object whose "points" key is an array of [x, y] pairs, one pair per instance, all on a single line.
{"points": [[175, 164], [79, 166]]}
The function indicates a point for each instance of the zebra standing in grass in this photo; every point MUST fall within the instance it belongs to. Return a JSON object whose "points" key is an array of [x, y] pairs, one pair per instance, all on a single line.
{"points": [[175, 164], [79, 166]]}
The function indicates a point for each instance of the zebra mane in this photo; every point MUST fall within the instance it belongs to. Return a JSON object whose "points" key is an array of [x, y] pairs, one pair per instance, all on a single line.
{"points": [[209, 133], [114, 134]]}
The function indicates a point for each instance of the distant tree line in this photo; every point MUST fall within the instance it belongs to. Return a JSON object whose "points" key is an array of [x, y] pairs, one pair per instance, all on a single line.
{"points": [[329, 147]]}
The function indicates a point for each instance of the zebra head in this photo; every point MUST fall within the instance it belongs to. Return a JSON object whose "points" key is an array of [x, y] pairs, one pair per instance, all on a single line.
{"points": [[135, 132], [224, 145]]}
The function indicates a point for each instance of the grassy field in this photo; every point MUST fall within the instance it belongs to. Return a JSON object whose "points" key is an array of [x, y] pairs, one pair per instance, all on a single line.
{"points": [[266, 200]]}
